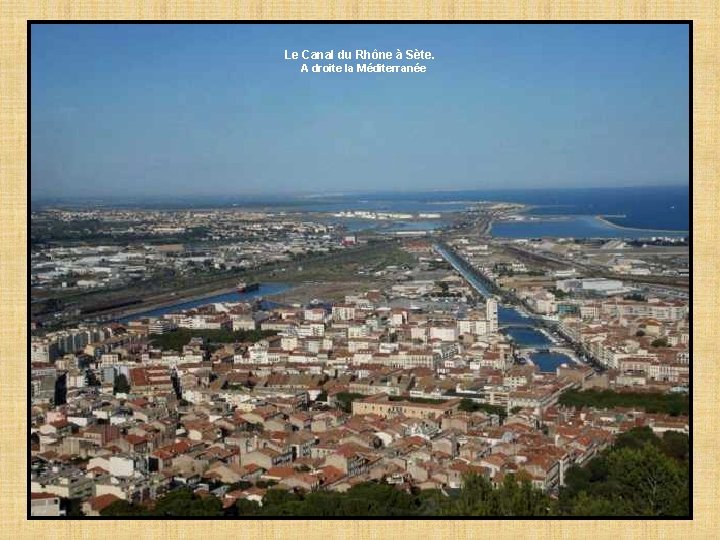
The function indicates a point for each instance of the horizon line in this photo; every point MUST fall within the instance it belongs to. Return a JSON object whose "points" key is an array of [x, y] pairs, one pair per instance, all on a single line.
{"points": [[344, 193]]}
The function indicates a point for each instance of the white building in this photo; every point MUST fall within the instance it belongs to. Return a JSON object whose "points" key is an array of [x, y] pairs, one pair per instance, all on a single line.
{"points": [[591, 285]]}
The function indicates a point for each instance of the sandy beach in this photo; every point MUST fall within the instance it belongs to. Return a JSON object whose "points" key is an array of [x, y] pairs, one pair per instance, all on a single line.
{"points": [[606, 221]]}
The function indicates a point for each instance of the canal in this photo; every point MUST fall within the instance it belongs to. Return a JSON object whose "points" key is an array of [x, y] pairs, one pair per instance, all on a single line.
{"points": [[518, 326], [526, 336], [459, 267], [265, 289]]}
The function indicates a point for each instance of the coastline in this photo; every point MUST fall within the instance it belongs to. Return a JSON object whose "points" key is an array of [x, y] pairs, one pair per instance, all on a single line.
{"points": [[604, 219]]}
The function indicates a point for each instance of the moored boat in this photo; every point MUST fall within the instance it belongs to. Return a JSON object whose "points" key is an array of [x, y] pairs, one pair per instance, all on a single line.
{"points": [[244, 287]]}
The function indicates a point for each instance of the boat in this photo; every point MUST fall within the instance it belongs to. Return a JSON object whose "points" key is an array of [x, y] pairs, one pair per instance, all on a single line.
{"points": [[243, 287]]}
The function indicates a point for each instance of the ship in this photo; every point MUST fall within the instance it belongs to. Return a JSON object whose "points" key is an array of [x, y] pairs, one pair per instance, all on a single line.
{"points": [[243, 287]]}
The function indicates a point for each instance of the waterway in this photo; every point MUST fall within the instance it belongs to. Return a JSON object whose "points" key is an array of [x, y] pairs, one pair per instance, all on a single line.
{"points": [[526, 336], [548, 362], [456, 264], [265, 289], [510, 315]]}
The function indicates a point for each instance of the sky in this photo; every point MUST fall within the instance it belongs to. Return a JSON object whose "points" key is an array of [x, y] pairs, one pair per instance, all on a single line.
{"points": [[188, 110]]}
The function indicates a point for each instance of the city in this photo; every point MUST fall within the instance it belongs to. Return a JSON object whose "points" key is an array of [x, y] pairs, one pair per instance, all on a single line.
{"points": [[471, 355], [453, 282]]}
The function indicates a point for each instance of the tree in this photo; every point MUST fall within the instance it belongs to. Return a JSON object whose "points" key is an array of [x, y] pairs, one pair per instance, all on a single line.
{"points": [[122, 508], [660, 342], [246, 507], [515, 497], [636, 438], [652, 402], [91, 379], [640, 475], [183, 502], [345, 399], [468, 405], [675, 445], [121, 384], [60, 394], [649, 481], [587, 506], [73, 507]]}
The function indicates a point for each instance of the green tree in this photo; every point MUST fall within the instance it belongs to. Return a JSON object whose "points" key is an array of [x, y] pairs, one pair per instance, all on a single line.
{"points": [[636, 438], [586, 506], [73, 507], [121, 384], [345, 399], [246, 507], [515, 497], [122, 508], [468, 405], [91, 379], [652, 402], [650, 482], [641, 475], [675, 445], [183, 502]]}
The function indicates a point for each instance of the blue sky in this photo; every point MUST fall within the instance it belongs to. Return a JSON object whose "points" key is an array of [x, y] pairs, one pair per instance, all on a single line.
{"points": [[128, 110]]}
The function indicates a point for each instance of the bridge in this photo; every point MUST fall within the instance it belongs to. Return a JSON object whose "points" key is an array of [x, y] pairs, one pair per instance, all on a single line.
{"points": [[521, 325], [526, 352], [551, 349]]}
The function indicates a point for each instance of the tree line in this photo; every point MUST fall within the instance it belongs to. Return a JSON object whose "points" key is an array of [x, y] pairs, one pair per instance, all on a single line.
{"points": [[674, 404], [175, 340]]}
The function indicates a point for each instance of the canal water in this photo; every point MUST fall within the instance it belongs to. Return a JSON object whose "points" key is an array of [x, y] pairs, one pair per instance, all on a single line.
{"points": [[456, 263], [548, 362], [509, 315], [523, 333], [527, 336], [265, 289]]}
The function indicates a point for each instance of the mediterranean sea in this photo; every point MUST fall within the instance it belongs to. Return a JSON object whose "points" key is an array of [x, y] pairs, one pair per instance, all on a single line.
{"points": [[656, 209], [647, 207], [571, 226]]}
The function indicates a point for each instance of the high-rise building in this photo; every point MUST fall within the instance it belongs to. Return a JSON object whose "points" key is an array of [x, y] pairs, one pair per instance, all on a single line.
{"points": [[491, 314]]}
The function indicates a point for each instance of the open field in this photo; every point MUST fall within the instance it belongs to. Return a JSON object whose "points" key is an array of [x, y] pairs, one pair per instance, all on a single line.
{"points": [[329, 291]]}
